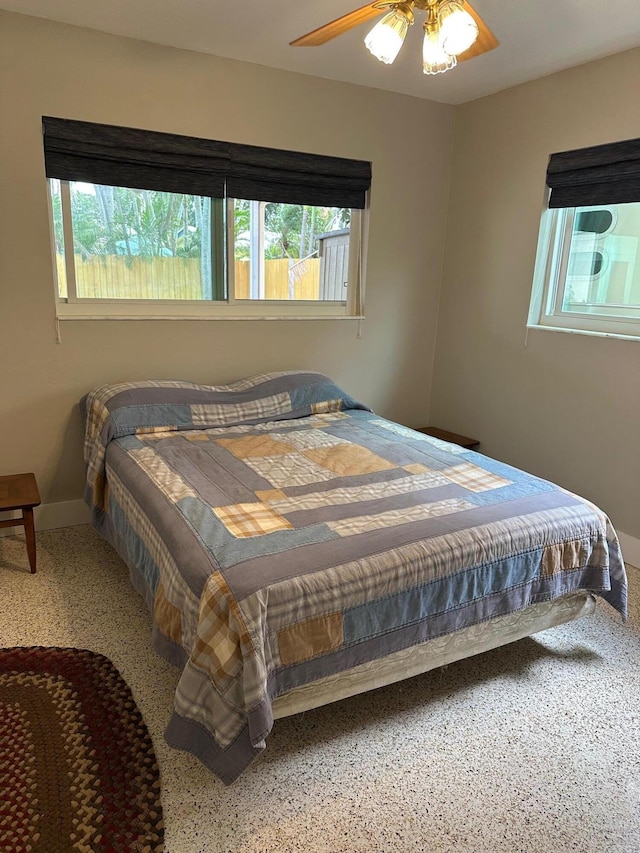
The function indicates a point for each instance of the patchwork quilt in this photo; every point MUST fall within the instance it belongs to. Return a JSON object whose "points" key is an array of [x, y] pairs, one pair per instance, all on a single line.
{"points": [[280, 532]]}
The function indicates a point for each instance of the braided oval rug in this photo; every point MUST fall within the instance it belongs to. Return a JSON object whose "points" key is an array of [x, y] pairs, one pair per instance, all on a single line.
{"points": [[77, 767]]}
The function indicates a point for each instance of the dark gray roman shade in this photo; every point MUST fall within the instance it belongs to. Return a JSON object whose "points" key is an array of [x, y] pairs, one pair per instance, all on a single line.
{"points": [[602, 174], [128, 157], [270, 174], [144, 159]]}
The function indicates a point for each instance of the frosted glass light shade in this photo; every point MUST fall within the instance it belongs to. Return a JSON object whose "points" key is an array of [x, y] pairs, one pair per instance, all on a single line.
{"points": [[385, 39], [458, 30], [435, 59]]}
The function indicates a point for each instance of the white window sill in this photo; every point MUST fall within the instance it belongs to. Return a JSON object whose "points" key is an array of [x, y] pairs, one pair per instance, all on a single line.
{"points": [[129, 310], [594, 334], [65, 317]]}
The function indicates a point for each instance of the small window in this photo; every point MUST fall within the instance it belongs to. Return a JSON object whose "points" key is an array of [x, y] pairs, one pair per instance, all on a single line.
{"points": [[585, 280], [597, 221], [133, 237], [585, 264], [587, 272]]}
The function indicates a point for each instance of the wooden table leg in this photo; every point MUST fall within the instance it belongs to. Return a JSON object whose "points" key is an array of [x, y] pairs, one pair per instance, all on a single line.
{"points": [[30, 533]]}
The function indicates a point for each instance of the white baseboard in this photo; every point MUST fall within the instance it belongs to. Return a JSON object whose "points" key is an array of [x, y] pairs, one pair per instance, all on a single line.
{"points": [[630, 549], [62, 514], [52, 516], [70, 513]]}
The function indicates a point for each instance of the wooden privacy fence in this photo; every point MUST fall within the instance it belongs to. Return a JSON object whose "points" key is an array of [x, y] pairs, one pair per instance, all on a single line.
{"points": [[305, 279], [120, 277]]}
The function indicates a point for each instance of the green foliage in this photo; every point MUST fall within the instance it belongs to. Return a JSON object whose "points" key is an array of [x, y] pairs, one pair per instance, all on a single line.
{"points": [[295, 228], [116, 220], [121, 221]]}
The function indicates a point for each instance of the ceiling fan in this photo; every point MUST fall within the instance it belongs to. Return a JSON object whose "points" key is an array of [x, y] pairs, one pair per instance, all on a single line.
{"points": [[453, 31]]}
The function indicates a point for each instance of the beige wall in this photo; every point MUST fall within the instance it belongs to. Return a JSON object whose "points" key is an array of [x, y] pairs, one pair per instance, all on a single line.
{"points": [[566, 407], [50, 69]]}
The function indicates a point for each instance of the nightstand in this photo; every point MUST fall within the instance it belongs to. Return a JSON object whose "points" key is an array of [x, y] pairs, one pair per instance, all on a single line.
{"points": [[452, 437], [20, 491]]}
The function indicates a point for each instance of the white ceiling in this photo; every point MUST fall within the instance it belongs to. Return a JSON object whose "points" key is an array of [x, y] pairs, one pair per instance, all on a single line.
{"points": [[537, 37]]}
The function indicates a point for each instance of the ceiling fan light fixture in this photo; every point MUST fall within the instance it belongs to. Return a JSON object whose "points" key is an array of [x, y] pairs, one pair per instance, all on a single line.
{"points": [[458, 30], [386, 38], [435, 60]]}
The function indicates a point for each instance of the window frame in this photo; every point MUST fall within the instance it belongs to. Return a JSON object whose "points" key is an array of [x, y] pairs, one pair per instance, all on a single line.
{"points": [[73, 307], [139, 158], [550, 280]]}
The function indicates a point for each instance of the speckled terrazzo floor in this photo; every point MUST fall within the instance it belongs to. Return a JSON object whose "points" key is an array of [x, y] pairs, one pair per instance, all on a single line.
{"points": [[534, 747]]}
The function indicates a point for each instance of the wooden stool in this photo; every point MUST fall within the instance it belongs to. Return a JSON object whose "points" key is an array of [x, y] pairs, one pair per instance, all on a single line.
{"points": [[20, 491]]}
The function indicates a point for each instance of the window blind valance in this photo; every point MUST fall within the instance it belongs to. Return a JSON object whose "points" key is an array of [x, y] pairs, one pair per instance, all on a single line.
{"points": [[602, 174], [271, 174], [145, 159], [128, 157]]}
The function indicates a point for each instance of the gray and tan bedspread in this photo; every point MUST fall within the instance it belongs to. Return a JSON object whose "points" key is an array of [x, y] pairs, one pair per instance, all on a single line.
{"points": [[280, 532]]}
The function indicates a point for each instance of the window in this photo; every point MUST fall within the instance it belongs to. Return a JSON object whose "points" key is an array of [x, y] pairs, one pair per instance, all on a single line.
{"points": [[132, 238], [587, 274]]}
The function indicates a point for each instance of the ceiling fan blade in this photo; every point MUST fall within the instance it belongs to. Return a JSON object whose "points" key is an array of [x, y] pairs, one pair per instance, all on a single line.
{"points": [[339, 26], [486, 40]]}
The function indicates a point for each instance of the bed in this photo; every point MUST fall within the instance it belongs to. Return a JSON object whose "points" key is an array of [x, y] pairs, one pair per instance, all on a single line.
{"points": [[295, 548]]}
